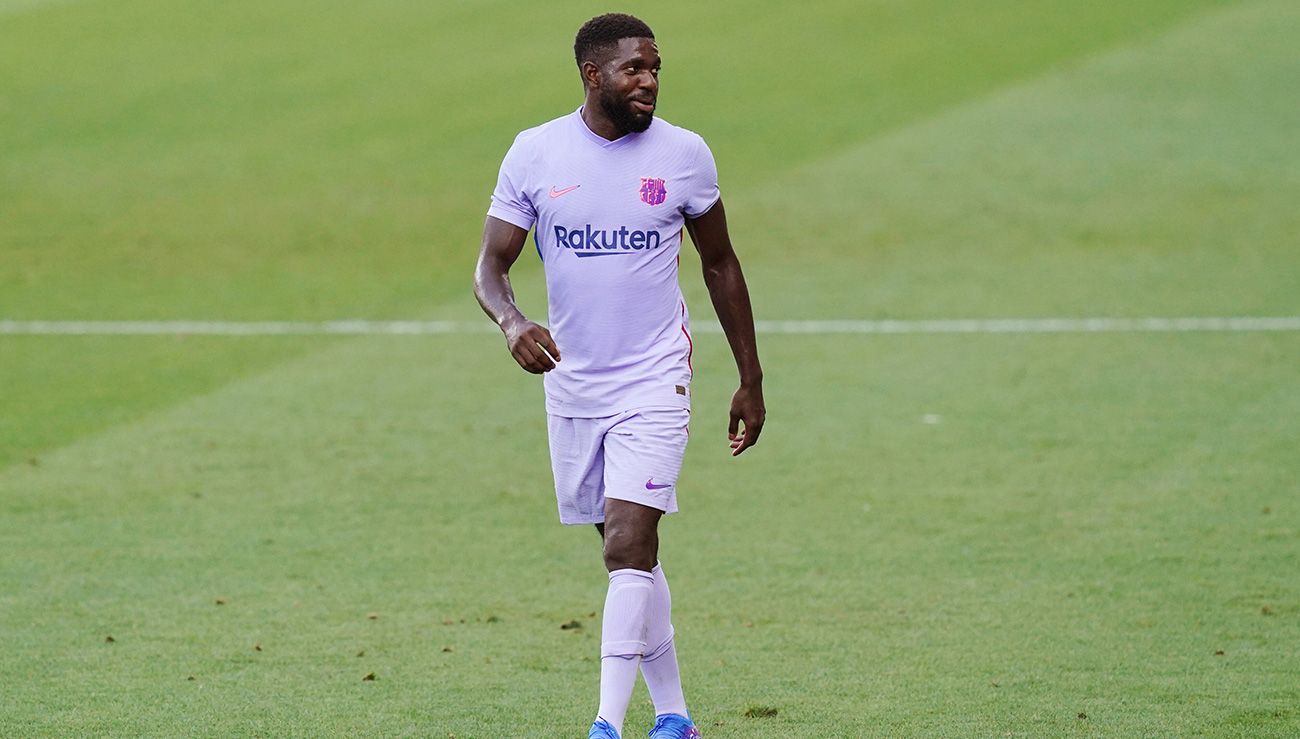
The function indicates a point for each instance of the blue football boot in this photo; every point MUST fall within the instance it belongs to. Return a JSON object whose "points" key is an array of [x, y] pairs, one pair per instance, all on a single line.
{"points": [[674, 726], [600, 729]]}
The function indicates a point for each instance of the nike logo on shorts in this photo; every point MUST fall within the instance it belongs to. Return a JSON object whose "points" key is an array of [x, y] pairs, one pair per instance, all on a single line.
{"points": [[650, 485]]}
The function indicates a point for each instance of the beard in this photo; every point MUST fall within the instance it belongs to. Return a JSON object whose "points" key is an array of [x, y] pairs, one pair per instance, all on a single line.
{"points": [[623, 116]]}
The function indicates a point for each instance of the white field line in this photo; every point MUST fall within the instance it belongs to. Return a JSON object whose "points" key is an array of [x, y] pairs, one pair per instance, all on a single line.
{"points": [[426, 328]]}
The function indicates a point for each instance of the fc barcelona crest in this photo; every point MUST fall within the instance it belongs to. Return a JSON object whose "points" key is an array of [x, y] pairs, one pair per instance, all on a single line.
{"points": [[653, 191]]}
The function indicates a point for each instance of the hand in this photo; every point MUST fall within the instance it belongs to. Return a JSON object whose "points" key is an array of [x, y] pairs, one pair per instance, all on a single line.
{"points": [[746, 406], [531, 345]]}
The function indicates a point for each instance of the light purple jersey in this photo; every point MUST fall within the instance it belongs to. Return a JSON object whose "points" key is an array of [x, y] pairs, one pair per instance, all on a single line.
{"points": [[608, 218]]}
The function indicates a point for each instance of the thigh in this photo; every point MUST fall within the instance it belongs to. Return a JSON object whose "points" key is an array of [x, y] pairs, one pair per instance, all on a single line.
{"points": [[643, 457], [578, 464]]}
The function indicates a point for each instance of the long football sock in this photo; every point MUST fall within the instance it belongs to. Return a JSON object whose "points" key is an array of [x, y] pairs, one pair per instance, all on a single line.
{"points": [[659, 666], [622, 641]]}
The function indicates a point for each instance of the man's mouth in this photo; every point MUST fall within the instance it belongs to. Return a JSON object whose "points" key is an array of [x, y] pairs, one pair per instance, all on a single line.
{"points": [[643, 107]]}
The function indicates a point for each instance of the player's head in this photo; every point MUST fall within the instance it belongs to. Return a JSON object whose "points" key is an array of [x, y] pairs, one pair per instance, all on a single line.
{"points": [[619, 62]]}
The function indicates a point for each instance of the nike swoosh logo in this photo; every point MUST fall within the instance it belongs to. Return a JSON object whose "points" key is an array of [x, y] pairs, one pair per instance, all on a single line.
{"points": [[557, 193], [650, 485]]}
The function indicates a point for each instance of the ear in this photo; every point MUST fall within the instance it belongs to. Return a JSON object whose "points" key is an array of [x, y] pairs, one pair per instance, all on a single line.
{"points": [[591, 75]]}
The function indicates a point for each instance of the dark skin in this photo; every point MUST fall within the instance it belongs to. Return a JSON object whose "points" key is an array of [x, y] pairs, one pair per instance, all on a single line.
{"points": [[626, 79]]}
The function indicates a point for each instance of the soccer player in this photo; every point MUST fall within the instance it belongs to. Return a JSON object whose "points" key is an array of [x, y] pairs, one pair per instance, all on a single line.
{"points": [[606, 191]]}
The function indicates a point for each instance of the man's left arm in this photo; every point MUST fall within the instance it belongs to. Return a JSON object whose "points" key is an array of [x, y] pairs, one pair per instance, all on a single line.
{"points": [[726, 283]]}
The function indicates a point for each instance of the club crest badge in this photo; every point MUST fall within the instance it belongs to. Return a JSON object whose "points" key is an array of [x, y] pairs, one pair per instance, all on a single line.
{"points": [[653, 191]]}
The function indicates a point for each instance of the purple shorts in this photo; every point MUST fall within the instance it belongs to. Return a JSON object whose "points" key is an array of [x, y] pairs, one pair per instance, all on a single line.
{"points": [[634, 456]]}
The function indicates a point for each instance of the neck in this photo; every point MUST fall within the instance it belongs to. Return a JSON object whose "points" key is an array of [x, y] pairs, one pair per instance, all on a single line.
{"points": [[598, 122]]}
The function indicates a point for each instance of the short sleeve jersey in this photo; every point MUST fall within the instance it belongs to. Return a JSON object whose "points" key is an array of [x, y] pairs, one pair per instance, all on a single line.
{"points": [[607, 219]]}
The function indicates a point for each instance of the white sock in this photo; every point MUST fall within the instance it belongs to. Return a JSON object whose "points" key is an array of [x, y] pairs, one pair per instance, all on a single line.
{"points": [[622, 641], [659, 666]]}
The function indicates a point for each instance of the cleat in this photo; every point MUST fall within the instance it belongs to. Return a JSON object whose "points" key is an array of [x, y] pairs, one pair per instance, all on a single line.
{"points": [[674, 726], [600, 729]]}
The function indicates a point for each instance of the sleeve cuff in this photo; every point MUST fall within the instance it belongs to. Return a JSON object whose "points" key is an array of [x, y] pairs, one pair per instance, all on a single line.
{"points": [[705, 209], [510, 215]]}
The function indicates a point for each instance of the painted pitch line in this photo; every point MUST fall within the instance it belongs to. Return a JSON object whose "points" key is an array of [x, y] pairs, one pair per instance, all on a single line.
{"points": [[237, 328], [427, 328], [1033, 325]]}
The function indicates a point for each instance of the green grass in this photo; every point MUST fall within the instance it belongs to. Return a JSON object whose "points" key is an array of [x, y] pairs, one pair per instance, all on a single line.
{"points": [[1034, 535], [273, 160]]}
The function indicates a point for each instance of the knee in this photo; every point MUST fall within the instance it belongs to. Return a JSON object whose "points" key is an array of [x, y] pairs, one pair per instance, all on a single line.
{"points": [[627, 548]]}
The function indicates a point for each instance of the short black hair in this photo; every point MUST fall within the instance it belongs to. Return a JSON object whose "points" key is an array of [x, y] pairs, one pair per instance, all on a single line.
{"points": [[604, 31]]}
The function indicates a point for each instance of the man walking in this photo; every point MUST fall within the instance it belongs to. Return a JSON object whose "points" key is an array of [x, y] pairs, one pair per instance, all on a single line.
{"points": [[607, 190]]}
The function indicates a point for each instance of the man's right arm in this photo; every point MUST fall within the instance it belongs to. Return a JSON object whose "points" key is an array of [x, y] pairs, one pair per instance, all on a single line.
{"points": [[530, 344]]}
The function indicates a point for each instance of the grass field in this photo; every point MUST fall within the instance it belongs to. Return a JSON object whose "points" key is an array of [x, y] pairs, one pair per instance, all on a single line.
{"points": [[940, 535]]}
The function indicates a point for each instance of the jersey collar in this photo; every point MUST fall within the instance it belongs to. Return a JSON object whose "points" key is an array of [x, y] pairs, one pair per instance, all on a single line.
{"points": [[599, 140]]}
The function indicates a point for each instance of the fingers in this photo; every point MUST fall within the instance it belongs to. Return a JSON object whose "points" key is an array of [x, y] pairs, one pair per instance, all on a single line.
{"points": [[531, 357], [535, 350], [544, 358], [737, 443], [548, 344], [747, 437], [529, 360]]}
